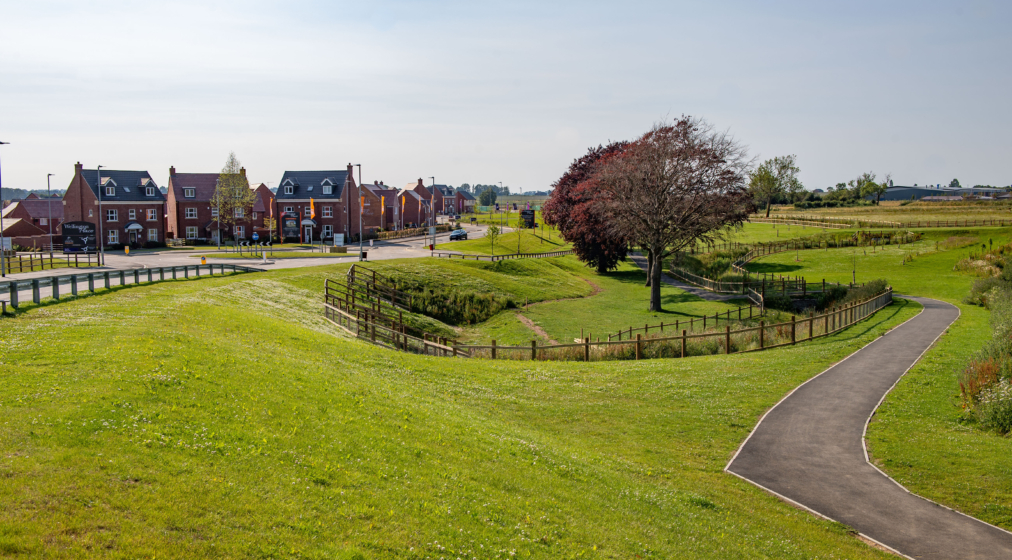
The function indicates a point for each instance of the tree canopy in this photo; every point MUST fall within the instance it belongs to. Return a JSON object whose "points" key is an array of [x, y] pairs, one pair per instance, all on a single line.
{"points": [[232, 196], [775, 177]]}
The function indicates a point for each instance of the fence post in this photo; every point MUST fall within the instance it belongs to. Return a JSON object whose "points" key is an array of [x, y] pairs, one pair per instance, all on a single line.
{"points": [[811, 324], [826, 319], [639, 343], [105, 277], [35, 289], [13, 288], [493, 349], [534, 350], [586, 349], [73, 283], [762, 334], [727, 339], [173, 273], [683, 343], [793, 326], [56, 287]]}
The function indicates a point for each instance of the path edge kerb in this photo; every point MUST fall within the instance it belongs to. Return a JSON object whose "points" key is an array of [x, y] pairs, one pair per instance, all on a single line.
{"points": [[864, 443], [864, 433]]}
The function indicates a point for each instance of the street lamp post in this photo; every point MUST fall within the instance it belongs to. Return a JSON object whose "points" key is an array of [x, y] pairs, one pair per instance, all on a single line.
{"points": [[432, 210], [49, 203], [101, 229], [361, 211], [3, 255]]}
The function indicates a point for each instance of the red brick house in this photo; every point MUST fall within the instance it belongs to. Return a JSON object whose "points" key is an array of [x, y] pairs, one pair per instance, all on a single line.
{"points": [[19, 231], [464, 202], [132, 206], [335, 197], [192, 216], [412, 208], [43, 213], [443, 199], [262, 210], [388, 197]]}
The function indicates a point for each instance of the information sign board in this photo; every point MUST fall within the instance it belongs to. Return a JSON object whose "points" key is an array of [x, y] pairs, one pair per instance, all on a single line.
{"points": [[79, 237]]}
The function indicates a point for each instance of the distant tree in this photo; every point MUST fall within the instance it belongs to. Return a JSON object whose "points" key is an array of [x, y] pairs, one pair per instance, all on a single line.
{"points": [[954, 184], [572, 208], [464, 187], [674, 186], [487, 197], [872, 188], [775, 177], [232, 194]]}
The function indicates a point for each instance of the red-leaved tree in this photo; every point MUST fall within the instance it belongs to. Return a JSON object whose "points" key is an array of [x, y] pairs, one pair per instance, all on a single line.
{"points": [[572, 208]]}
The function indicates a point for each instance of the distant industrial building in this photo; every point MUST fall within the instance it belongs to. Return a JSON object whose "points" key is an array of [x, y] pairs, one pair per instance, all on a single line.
{"points": [[935, 193]]}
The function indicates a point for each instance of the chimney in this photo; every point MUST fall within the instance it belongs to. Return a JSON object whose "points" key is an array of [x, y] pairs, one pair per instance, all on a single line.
{"points": [[172, 170], [420, 183], [381, 183], [242, 171], [376, 183], [78, 168]]}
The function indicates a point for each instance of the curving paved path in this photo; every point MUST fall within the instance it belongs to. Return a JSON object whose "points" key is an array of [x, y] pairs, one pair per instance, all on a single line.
{"points": [[809, 449], [702, 293]]}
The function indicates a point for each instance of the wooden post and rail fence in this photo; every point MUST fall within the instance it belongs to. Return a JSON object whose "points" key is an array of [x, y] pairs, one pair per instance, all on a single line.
{"points": [[30, 262]]}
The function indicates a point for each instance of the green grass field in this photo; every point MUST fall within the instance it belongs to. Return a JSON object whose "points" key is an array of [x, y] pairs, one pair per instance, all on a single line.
{"points": [[917, 211], [507, 243], [278, 255], [919, 435], [223, 417]]}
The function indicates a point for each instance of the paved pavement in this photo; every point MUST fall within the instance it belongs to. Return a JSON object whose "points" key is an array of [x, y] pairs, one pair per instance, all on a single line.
{"points": [[809, 449], [641, 261]]}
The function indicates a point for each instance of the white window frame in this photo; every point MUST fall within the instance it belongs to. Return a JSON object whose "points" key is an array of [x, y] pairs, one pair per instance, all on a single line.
{"points": [[289, 189], [189, 192], [214, 212], [328, 212], [152, 234], [43, 221], [150, 191], [240, 232], [328, 231], [328, 189], [240, 213], [113, 236], [152, 214], [132, 213], [191, 213], [191, 232], [111, 215], [110, 191], [289, 209]]}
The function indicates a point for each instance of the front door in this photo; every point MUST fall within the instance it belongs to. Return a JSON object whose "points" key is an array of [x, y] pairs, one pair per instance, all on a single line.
{"points": [[308, 235], [133, 238]]}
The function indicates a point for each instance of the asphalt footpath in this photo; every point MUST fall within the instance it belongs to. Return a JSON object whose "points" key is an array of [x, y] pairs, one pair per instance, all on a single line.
{"points": [[809, 449]]}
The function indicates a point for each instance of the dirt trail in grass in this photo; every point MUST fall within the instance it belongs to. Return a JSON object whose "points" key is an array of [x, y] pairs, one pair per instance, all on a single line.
{"points": [[540, 331]]}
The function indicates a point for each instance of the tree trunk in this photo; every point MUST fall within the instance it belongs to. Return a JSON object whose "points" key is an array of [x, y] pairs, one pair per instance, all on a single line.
{"points": [[769, 202], [655, 282], [650, 268]]}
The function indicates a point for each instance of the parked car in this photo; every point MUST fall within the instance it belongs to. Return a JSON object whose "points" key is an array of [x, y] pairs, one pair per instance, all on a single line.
{"points": [[458, 234]]}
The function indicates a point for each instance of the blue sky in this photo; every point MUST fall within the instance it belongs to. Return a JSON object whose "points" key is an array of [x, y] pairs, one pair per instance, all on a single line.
{"points": [[511, 92]]}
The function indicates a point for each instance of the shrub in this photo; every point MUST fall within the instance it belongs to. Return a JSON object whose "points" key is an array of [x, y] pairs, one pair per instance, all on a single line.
{"points": [[985, 384], [459, 307]]}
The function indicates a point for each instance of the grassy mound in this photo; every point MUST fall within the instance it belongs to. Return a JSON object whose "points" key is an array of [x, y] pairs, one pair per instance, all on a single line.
{"points": [[224, 418], [529, 242]]}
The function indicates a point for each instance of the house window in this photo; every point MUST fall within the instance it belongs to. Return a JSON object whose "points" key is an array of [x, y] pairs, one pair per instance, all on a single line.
{"points": [[152, 235], [110, 191], [214, 212], [327, 189], [254, 215], [91, 213], [328, 212], [189, 192], [113, 236], [240, 232], [133, 214], [152, 215], [191, 213], [43, 221], [328, 231], [240, 212], [289, 189], [111, 215], [150, 191], [191, 232], [289, 209]]}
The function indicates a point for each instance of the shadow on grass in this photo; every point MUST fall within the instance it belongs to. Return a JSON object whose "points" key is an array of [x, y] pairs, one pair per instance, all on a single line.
{"points": [[772, 268]]}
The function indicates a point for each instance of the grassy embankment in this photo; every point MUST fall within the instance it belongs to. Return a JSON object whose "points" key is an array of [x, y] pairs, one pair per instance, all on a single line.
{"points": [[507, 243], [920, 435], [913, 212], [223, 417]]}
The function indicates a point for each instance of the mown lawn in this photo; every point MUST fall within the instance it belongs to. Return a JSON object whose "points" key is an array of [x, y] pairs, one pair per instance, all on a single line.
{"points": [[223, 417], [531, 241], [920, 435]]}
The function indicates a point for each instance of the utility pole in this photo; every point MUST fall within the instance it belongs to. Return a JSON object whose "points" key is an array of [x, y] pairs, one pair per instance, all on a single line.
{"points": [[101, 230], [432, 210], [49, 203], [3, 254]]}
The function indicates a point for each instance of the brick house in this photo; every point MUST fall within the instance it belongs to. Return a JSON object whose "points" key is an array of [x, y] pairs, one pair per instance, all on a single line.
{"points": [[443, 199], [262, 211], [43, 213], [412, 208], [388, 197], [19, 231], [192, 216], [132, 206], [464, 202], [335, 198]]}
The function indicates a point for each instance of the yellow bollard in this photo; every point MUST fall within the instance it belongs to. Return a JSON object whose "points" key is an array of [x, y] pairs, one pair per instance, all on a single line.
{"points": [[203, 259], [127, 249]]}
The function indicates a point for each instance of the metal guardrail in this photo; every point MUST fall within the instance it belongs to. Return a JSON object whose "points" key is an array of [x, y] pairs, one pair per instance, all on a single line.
{"points": [[494, 258], [108, 278]]}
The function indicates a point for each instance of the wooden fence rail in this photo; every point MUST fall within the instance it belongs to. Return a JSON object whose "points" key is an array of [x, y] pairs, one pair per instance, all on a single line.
{"points": [[30, 262], [108, 278], [858, 223], [725, 341], [389, 335]]}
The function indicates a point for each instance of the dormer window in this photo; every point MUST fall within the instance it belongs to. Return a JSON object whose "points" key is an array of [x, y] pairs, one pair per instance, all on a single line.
{"points": [[110, 191], [289, 189], [150, 191], [189, 192], [327, 189]]}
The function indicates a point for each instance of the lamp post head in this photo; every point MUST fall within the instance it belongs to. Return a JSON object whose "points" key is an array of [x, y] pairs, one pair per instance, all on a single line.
{"points": [[4, 142]]}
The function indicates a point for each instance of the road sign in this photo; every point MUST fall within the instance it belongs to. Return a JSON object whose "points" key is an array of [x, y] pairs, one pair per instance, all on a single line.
{"points": [[256, 236], [79, 237]]}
